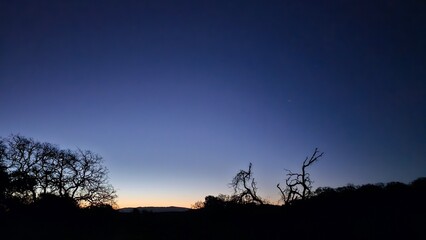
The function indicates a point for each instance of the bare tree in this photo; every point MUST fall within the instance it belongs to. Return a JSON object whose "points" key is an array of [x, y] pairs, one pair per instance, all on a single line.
{"points": [[91, 180], [299, 185], [245, 189], [21, 163], [4, 177], [42, 168]]}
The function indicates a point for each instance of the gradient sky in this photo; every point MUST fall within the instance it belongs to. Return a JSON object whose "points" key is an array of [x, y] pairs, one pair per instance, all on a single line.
{"points": [[177, 96]]}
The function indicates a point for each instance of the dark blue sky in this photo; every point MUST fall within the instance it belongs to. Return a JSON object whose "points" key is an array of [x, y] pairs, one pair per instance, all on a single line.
{"points": [[177, 96]]}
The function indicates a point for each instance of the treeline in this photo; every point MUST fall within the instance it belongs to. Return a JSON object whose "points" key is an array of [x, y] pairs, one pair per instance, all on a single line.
{"points": [[373, 211], [394, 194]]}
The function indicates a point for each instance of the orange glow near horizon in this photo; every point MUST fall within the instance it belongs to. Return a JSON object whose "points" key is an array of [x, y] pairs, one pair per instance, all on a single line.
{"points": [[130, 203]]}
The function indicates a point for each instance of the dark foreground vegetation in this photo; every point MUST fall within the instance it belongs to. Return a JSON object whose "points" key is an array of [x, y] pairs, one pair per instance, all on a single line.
{"points": [[380, 211], [52, 193]]}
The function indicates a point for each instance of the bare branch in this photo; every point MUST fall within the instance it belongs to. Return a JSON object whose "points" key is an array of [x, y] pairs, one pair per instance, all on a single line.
{"points": [[41, 168], [299, 185], [245, 189]]}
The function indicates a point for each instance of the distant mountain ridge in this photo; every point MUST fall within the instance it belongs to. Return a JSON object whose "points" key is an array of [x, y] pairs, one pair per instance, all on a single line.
{"points": [[153, 209]]}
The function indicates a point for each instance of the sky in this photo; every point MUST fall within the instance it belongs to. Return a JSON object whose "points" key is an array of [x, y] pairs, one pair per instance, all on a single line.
{"points": [[178, 96]]}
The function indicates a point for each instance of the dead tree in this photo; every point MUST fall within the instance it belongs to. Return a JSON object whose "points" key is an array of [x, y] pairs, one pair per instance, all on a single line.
{"points": [[245, 190], [299, 185]]}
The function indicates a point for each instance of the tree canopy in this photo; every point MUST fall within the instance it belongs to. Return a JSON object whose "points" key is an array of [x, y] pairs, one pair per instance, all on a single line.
{"points": [[31, 169]]}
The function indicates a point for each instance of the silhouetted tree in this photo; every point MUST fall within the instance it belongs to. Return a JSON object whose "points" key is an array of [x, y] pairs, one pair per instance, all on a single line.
{"points": [[4, 178], [36, 168], [197, 205], [219, 201], [3, 173], [299, 185], [21, 160], [244, 185], [212, 202]]}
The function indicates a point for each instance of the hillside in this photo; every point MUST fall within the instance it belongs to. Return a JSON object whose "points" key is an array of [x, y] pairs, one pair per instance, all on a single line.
{"points": [[153, 209]]}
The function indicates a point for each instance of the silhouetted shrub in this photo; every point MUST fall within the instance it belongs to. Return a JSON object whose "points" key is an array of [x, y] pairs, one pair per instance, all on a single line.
{"points": [[53, 204], [419, 184], [212, 202]]}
